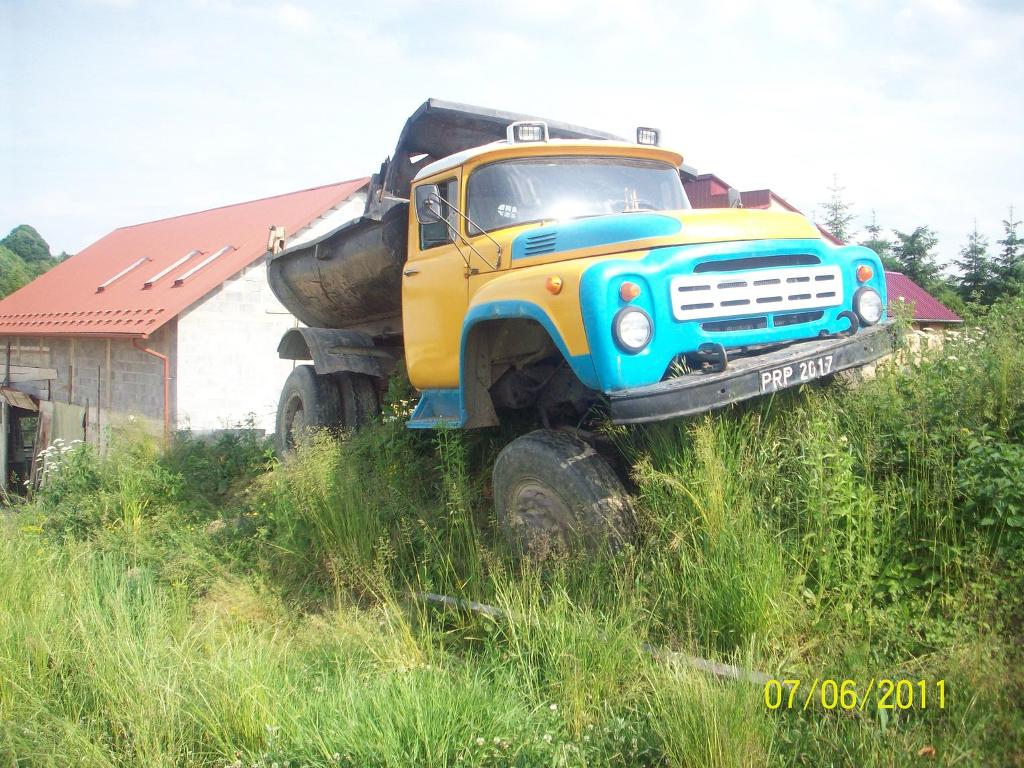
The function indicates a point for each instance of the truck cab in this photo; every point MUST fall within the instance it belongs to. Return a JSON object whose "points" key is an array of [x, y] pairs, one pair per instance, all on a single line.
{"points": [[578, 266]]}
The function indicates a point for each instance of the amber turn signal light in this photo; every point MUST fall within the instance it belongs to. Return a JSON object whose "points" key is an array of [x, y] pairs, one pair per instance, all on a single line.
{"points": [[865, 273], [554, 284], [629, 291]]}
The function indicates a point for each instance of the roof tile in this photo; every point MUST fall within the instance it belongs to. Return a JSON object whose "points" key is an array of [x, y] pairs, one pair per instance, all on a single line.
{"points": [[926, 307], [70, 288]]}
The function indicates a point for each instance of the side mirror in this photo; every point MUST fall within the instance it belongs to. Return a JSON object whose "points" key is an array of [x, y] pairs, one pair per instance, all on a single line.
{"points": [[428, 204]]}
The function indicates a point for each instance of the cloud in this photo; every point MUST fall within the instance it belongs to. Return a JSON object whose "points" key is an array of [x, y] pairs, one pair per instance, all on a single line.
{"points": [[293, 16], [115, 3], [914, 103]]}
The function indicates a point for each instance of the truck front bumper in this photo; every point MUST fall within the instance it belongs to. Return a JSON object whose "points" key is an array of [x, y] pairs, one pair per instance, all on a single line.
{"points": [[749, 377]]}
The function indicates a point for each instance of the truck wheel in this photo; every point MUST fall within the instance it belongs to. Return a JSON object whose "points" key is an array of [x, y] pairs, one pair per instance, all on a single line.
{"points": [[359, 402], [307, 401], [552, 491]]}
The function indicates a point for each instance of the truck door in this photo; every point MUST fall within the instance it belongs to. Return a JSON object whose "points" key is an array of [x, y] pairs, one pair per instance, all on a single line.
{"points": [[434, 296]]}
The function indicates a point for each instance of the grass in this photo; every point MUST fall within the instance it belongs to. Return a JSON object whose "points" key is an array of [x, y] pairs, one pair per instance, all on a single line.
{"points": [[207, 605]]}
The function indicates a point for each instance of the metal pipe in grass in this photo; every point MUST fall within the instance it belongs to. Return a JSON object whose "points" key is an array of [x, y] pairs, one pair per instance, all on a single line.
{"points": [[716, 668]]}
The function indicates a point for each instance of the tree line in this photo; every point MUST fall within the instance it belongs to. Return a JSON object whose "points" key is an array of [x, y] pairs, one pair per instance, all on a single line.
{"points": [[982, 275], [24, 256]]}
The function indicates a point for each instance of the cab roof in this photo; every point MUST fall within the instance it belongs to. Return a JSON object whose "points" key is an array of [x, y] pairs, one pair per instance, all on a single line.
{"points": [[503, 149]]}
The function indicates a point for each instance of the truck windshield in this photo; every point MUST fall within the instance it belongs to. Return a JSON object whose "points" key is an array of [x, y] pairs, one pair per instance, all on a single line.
{"points": [[511, 192]]}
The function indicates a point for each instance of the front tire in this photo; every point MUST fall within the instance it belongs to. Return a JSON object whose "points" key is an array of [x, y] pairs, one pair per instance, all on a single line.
{"points": [[307, 402], [554, 492]]}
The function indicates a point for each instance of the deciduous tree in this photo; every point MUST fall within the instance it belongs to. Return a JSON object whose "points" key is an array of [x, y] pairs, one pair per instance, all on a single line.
{"points": [[27, 243], [13, 273], [912, 255]]}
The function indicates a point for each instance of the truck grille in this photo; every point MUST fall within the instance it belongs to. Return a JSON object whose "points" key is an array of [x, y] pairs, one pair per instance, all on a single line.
{"points": [[791, 289], [747, 263]]}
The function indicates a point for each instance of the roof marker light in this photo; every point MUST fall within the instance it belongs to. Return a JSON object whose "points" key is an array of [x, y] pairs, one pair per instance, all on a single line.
{"points": [[103, 286], [648, 136], [216, 254], [149, 283], [523, 131]]}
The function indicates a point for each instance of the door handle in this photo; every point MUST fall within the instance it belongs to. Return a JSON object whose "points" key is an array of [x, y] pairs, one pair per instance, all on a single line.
{"points": [[410, 271]]}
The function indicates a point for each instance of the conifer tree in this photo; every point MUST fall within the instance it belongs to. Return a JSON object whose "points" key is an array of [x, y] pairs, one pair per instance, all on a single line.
{"points": [[876, 242], [1009, 262], [837, 216], [977, 273]]}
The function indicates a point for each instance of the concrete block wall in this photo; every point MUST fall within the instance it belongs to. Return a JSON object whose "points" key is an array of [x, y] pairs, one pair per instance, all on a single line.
{"points": [[116, 381], [228, 368]]}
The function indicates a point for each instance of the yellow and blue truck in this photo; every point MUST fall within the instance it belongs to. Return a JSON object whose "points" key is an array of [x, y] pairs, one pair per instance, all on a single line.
{"points": [[524, 265]]}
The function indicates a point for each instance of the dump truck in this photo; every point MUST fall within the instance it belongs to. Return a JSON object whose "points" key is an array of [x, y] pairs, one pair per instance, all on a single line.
{"points": [[520, 265]]}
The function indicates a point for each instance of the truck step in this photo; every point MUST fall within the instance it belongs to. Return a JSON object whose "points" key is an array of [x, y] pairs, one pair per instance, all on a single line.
{"points": [[437, 408]]}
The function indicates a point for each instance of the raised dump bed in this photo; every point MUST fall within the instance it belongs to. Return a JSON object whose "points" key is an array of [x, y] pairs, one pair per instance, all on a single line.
{"points": [[352, 277]]}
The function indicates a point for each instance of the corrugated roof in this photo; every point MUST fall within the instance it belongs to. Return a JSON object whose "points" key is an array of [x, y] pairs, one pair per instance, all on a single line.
{"points": [[926, 307], [80, 297]]}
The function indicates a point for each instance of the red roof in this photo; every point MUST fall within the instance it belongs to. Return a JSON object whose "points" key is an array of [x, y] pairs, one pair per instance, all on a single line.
{"points": [[80, 296], [926, 307], [709, 191]]}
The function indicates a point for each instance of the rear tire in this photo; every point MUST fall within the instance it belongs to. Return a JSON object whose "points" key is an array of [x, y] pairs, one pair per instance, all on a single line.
{"points": [[554, 492], [359, 402], [307, 402]]}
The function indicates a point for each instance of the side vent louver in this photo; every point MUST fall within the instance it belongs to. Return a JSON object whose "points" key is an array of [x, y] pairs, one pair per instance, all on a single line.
{"points": [[536, 245]]}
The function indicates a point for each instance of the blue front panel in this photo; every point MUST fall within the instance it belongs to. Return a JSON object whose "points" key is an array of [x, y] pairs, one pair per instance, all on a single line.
{"points": [[591, 232], [599, 302]]}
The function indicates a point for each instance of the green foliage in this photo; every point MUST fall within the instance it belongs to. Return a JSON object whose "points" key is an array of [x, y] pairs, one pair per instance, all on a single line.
{"points": [[24, 255], [858, 530], [991, 481], [977, 272], [876, 242], [912, 255], [83, 494], [838, 217], [13, 273], [217, 470], [27, 243], [1009, 261]]}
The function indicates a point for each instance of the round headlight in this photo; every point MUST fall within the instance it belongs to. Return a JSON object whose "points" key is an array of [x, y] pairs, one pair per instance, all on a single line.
{"points": [[868, 305], [633, 329]]}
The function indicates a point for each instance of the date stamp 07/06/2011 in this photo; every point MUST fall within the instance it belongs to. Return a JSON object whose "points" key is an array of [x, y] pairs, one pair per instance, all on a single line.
{"points": [[847, 695]]}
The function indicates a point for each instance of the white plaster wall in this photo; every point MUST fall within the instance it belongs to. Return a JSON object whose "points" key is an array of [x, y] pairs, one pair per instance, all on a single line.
{"points": [[227, 366]]}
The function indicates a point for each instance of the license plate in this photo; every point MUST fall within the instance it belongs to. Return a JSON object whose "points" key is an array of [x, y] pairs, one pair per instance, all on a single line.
{"points": [[784, 376]]}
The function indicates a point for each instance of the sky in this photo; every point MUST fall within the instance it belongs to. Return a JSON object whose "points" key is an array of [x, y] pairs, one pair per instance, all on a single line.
{"points": [[116, 112]]}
